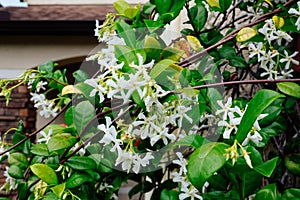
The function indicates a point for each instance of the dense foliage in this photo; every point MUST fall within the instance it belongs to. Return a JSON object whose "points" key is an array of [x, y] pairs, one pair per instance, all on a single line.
{"points": [[212, 113]]}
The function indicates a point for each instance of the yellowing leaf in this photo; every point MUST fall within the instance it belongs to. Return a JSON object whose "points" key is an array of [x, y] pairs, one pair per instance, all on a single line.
{"points": [[213, 3], [278, 21], [194, 42], [269, 2], [70, 89], [245, 34]]}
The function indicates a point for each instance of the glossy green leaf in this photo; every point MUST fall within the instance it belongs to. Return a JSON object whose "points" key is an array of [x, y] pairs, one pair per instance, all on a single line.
{"points": [[69, 116], [40, 149], [163, 6], [205, 161], [291, 194], [238, 62], [160, 67], [77, 178], [198, 16], [152, 48], [120, 6], [267, 168], [266, 193], [58, 190], [83, 113], [257, 105], [81, 163], [227, 52], [61, 141], [131, 12], [292, 163], [169, 195], [289, 88], [125, 54], [153, 25], [18, 159], [225, 4], [15, 171], [80, 75], [127, 33], [45, 173], [172, 53], [47, 69], [191, 140]]}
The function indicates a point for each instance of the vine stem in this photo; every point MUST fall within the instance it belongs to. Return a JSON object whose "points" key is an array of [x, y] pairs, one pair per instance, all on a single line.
{"points": [[244, 82], [231, 36], [37, 131]]}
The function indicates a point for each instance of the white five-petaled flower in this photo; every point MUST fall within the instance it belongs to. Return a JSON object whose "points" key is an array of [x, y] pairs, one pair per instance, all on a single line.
{"points": [[230, 125], [225, 108], [256, 49], [138, 161], [110, 135], [289, 59], [191, 193], [296, 12], [98, 88], [162, 134], [253, 136], [45, 137], [181, 162]]}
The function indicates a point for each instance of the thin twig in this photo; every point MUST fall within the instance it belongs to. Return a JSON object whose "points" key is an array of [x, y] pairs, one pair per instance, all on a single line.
{"points": [[232, 35]]}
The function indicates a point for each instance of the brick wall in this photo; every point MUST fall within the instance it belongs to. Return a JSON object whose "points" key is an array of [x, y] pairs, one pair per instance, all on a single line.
{"points": [[19, 108]]}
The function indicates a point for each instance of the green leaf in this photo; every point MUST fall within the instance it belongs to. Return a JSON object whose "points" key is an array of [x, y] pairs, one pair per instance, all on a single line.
{"points": [[18, 159], [227, 52], [292, 163], [266, 193], [191, 140], [169, 195], [127, 33], [291, 194], [40, 149], [58, 190], [81, 163], [47, 69], [238, 62], [125, 54], [77, 179], [198, 16], [120, 6], [267, 168], [152, 48], [61, 141], [160, 67], [257, 105], [225, 4], [15, 171], [69, 116], [289, 88], [131, 12], [163, 6], [172, 53], [83, 113], [205, 161], [45, 173], [153, 25], [80, 75]]}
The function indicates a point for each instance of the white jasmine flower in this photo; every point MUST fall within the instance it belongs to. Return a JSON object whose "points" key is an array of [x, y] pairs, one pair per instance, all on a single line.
{"points": [[253, 136], [225, 108], [269, 72], [138, 162], [181, 162], [191, 193], [40, 86], [126, 158], [97, 89], [110, 135], [289, 59], [256, 49], [117, 89], [296, 12], [164, 135], [148, 125], [134, 84], [45, 137], [231, 125]]}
